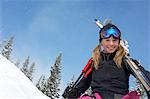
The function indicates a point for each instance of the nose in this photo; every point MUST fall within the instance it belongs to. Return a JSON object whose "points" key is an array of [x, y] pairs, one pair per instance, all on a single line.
{"points": [[111, 42]]}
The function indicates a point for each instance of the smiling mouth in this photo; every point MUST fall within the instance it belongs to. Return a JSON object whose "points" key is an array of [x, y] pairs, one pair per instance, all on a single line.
{"points": [[111, 48]]}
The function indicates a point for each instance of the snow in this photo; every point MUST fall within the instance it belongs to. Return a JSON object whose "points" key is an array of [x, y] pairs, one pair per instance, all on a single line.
{"points": [[14, 84]]}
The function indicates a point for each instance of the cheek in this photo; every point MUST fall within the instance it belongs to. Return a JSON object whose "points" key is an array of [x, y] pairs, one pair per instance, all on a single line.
{"points": [[116, 44]]}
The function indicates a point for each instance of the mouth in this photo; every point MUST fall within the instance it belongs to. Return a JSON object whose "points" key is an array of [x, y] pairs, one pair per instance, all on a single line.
{"points": [[111, 48]]}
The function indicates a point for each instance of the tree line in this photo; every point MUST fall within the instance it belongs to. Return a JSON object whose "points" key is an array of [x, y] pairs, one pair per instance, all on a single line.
{"points": [[48, 85]]}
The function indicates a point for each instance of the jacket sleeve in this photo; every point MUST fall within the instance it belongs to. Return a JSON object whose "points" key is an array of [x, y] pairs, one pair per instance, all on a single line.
{"points": [[84, 84]]}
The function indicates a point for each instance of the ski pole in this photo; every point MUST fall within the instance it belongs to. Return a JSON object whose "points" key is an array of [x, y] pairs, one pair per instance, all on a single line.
{"points": [[85, 72]]}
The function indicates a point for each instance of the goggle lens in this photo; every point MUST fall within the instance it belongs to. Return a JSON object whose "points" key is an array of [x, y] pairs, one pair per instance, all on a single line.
{"points": [[111, 32]]}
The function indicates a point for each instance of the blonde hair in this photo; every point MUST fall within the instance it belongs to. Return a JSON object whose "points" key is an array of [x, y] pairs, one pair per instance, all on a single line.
{"points": [[117, 58]]}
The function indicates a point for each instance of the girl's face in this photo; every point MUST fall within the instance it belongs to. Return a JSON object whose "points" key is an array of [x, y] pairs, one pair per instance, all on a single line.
{"points": [[110, 44]]}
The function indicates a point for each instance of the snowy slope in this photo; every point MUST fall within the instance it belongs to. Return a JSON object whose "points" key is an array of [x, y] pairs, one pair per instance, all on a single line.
{"points": [[14, 84]]}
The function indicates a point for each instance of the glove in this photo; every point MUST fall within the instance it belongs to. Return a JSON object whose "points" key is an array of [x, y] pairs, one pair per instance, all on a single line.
{"points": [[71, 93]]}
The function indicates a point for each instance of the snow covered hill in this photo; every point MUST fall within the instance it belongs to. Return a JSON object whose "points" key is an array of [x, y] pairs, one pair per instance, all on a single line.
{"points": [[14, 84]]}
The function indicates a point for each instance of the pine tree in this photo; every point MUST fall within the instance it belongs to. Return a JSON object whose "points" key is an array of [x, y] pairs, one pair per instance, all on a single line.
{"points": [[24, 68], [72, 81], [43, 85], [88, 91], [52, 84], [41, 82], [2, 43], [31, 71], [7, 49], [17, 63], [141, 90]]}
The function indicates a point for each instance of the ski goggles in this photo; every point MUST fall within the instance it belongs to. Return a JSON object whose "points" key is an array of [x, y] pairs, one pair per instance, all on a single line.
{"points": [[111, 32]]}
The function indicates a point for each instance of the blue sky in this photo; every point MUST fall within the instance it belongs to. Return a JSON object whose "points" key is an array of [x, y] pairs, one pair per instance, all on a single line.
{"points": [[43, 28]]}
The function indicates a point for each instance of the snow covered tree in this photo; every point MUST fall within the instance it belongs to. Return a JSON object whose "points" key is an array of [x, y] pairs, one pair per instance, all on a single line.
{"points": [[72, 81], [31, 71], [88, 91], [41, 83], [24, 68], [2, 43], [52, 83], [140, 89], [28, 71], [7, 49], [17, 63]]}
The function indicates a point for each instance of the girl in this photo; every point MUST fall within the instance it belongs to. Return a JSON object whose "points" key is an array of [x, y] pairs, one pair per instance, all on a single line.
{"points": [[109, 78]]}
